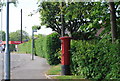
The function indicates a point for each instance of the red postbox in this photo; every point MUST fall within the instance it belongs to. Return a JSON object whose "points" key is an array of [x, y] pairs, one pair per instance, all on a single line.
{"points": [[65, 60]]}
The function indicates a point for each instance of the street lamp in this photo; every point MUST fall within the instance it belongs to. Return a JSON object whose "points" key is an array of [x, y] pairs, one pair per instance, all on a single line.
{"points": [[7, 52], [33, 43]]}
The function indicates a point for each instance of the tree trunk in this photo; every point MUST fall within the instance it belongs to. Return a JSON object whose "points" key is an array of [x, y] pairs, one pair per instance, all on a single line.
{"points": [[113, 21]]}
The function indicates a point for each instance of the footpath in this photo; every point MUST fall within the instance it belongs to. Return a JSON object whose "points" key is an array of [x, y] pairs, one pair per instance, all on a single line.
{"points": [[22, 67], [32, 69]]}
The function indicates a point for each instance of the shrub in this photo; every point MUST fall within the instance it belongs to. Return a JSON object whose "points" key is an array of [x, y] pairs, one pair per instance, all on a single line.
{"points": [[95, 59]]}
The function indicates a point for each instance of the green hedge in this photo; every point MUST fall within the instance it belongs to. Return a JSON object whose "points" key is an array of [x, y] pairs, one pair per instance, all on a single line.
{"points": [[25, 47], [40, 46], [52, 48], [95, 59], [45, 46]]}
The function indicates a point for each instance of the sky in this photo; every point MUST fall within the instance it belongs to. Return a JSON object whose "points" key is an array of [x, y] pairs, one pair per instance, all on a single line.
{"points": [[27, 6]]}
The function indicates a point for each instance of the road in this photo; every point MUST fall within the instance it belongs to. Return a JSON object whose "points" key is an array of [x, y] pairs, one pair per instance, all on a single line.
{"points": [[22, 67]]}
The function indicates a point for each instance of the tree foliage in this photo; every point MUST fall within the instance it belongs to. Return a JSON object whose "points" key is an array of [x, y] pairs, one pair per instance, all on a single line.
{"points": [[75, 15], [50, 15], [79, 16], [36, 27], [16, 36]]}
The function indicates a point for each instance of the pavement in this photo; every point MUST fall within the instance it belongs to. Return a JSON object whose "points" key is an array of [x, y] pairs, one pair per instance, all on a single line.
{"points": [[22, 67], [1, 67]]}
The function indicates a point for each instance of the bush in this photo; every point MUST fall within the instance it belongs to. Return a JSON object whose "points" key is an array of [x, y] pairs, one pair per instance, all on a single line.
{"points": [[95, 59], [52, 48]]}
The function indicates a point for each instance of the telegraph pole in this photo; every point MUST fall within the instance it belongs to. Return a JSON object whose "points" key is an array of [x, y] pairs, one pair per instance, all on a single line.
{"points": [[62, 21], [7, 52], [21, 25]]}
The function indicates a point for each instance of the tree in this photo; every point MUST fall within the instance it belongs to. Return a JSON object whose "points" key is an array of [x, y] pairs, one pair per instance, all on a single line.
{"points": [[16, 36], [105, 13], [85, 17], [51, 16]]}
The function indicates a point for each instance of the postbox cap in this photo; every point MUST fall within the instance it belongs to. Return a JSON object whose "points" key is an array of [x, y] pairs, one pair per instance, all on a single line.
{"points": [[65, 37]]}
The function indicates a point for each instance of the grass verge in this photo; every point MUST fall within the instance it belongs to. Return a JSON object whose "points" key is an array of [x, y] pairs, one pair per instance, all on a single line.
{"points": [[67, 77], [56, 70]]}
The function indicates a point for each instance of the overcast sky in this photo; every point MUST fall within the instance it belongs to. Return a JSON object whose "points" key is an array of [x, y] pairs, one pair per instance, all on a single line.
{"points": [[15, 17]]}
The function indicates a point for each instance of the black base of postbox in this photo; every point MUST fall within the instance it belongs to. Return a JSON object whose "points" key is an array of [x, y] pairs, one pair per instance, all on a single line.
{"points": [[65, 70]]}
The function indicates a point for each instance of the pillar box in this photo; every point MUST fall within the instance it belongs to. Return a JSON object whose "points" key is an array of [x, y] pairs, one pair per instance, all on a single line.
{"points": [[65, 58]]}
